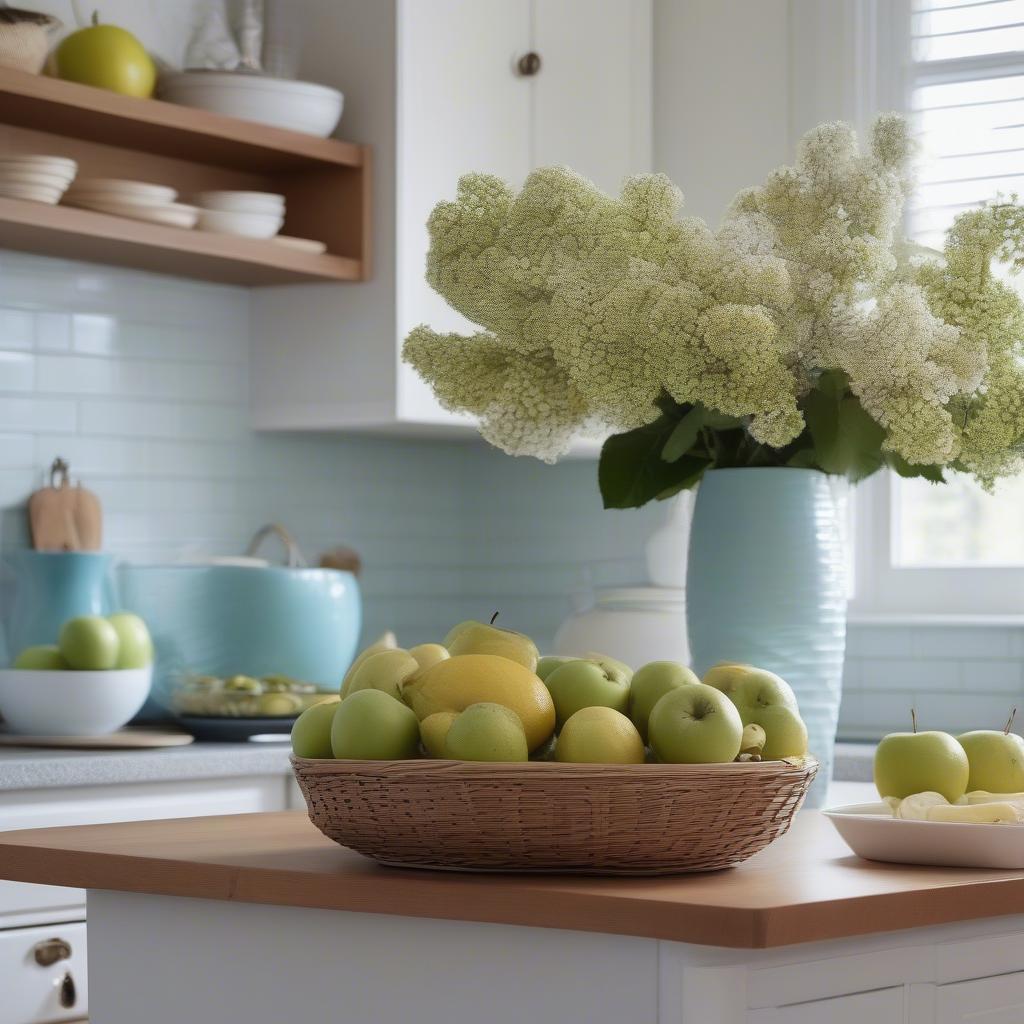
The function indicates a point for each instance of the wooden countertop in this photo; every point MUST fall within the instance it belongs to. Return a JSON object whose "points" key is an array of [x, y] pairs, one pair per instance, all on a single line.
{"points": [[806, 887]]}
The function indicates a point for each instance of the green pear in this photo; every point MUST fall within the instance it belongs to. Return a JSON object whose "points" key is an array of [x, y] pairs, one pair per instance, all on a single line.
{"points": [[385, 642]]}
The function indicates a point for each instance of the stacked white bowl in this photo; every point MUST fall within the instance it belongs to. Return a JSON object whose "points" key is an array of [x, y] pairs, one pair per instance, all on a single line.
{"points": [[137, 200], [252, 214], [39, 179]]}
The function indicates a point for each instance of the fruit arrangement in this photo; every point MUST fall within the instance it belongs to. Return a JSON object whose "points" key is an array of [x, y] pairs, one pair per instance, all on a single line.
{"points": [[974, 778], [92, 643], [242, 696], [486, 694]]}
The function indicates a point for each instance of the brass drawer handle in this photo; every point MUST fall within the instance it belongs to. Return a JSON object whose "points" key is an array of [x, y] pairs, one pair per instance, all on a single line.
{"points": [[68, 992], [528, 64], [49, 952]]}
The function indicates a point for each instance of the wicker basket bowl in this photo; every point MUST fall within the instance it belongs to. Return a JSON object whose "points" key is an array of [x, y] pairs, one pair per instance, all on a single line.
{"points": [[545, 816]]}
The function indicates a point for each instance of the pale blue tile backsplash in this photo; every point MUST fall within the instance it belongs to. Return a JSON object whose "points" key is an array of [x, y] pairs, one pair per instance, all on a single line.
{"points": [[140, 381]]}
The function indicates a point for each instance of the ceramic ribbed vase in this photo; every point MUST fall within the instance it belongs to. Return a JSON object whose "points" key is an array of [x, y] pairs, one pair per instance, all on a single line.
{"points": [[766, 585]]}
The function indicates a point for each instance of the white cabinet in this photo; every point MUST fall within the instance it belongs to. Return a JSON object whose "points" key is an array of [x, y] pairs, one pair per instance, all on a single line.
{"points": [[988, 1001], [435, 86], [43, 974], [885, 1006]]}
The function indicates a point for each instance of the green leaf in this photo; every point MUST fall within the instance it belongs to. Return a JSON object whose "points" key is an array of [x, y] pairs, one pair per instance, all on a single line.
{"points": [[909, 469], [720, 421], [684, 435], [631, 471], [847, 441], [806, 458]]}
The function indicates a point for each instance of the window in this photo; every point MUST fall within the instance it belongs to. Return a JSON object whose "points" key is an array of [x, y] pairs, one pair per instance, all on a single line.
{"points": [[953, 548]]}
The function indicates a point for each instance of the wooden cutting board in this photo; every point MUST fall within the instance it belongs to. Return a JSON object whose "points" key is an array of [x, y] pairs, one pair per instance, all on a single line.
{"points": [[65, 518], [137, 738]]}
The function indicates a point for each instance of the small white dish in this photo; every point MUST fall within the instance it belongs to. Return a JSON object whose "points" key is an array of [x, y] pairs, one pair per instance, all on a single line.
{"points": [[877, 836], [176, 215], [19, 176], [249, 225], [123, 189], [33, 193], [310, 245], [53, 164], [70, 703], [281, 102], [241, 202]]}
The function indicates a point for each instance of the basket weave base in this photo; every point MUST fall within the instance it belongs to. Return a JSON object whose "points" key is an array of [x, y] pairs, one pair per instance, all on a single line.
{"points": [[550, 817]]}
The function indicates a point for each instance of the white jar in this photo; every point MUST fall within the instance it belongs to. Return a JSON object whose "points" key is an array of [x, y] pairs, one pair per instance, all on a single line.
{"points": [[634, 624]]}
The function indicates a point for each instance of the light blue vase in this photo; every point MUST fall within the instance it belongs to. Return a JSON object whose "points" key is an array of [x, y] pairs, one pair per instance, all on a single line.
{"points": [[766, 585]]}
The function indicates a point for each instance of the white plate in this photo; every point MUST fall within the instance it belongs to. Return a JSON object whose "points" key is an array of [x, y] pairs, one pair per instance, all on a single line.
{"points": [[875, 836], [15, 175], [34, 193], [242, 202], [122, 188], [175, 215], [54, 164], [310, 245]]}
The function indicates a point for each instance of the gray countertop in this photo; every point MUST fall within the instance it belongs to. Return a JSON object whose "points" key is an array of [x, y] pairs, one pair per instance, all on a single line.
{"points": [[27, 768], [42, 769]]}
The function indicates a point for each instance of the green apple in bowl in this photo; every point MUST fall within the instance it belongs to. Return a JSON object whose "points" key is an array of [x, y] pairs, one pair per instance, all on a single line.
{"points": [[583, 683], [135, 644], [548, 664], [650, 683], [371, 725], [89, 642], [996, 760], [387, 671], [765, 699], [695, 724], [599, 735], [311, 731], [41, 658], [486, 638], [918, 762]]}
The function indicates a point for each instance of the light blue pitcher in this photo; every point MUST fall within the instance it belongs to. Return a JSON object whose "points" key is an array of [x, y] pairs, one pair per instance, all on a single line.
{"points": [[51, 587]]}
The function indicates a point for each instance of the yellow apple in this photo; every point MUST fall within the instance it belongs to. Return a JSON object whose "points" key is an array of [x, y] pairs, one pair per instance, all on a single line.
{"points": [[107, 57]]}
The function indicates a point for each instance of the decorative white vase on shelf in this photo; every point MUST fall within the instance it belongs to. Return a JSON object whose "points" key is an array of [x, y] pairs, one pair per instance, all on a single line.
{"points": [[666, 548]]}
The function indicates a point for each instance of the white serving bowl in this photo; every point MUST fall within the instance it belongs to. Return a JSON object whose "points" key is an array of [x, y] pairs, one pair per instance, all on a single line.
{"points": [[250, 225], [298, 106], [69, 703], [242, 202]]}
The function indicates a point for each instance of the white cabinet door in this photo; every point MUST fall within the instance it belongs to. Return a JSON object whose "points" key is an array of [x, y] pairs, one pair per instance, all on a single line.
{"points": [[462, 107], [35, 988], [884, 1006], [592, 107], [988, 1001]]}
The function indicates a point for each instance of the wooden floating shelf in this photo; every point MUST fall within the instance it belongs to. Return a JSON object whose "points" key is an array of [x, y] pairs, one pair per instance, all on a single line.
{"points": [[325, 183]]}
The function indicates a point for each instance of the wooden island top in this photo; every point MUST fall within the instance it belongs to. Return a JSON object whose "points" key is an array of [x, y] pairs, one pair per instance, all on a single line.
{"points": [[806, 887]]}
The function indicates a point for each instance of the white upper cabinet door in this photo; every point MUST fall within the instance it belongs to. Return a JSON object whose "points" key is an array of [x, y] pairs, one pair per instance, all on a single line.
{"points": [[592, 107], [463, 107], [883, 1006], [988, 1001]]}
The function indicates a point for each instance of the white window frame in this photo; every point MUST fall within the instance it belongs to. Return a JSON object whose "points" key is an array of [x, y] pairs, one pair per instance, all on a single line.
{"points": [[878, 76]]}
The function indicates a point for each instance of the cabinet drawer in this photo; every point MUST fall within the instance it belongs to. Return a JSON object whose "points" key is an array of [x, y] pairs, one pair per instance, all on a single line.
{"points": [[22, 904], [33, 992], [987, 1001], [884, 1006]]}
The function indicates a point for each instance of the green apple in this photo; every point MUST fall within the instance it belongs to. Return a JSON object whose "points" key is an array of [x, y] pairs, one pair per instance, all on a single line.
{"points": [[599, 735], [695, 724], [89, 642], [428, 655], [486, 638], [611, 664], [650, 683], [548, 664], [434, 730], [372, 725], [136, 649], [107, 57], [919, 762], [763, 698], [385, 642], [311, 732], [385, 671], [584, 684], [486, 732], [44, 657], [996, 760]]}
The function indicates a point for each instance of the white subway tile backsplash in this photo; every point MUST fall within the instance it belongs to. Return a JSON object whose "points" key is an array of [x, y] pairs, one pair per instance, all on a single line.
{"points": [[17, 371], [16, 451], [16, 329], [53, 332], [162, 420], [37, 415]]}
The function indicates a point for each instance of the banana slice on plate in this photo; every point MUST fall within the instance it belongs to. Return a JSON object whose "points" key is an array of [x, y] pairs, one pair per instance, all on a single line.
{"points": [[917, 806], [978, 814]]}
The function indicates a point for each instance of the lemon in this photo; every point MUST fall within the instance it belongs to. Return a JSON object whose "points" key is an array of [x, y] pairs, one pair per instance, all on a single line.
{"points": [[433, 730], [599, 735], [464, 679]]}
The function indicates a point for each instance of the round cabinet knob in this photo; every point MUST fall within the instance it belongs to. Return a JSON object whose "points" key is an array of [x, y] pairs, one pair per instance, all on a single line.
{"points": [[50, 951], [529, 64]]}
